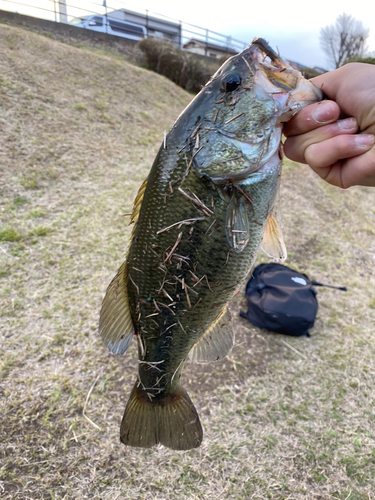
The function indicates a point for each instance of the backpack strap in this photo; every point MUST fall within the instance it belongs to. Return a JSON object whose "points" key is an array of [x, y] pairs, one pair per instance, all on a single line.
{"points": [[343, 288]]}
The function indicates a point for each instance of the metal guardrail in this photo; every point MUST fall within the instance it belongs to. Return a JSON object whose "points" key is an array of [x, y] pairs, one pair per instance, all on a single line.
{"points": [[64, 11]]}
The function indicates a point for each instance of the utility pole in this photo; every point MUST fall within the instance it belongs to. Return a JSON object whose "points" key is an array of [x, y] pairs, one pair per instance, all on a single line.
{"points": [[63, 18]]}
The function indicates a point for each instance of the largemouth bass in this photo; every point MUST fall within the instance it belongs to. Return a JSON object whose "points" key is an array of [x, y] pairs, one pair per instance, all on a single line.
{"points": [[200, 218]]}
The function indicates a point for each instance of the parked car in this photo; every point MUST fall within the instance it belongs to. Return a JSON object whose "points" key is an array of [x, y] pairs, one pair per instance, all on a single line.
{"points": [[109, 25]]}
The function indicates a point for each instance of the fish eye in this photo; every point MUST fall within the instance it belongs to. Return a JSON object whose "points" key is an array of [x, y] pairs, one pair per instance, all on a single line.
{"points": [[231, 82]]}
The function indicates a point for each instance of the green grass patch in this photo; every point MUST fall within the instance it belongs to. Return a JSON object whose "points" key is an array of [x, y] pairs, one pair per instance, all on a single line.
{"points": [[10, 234]]}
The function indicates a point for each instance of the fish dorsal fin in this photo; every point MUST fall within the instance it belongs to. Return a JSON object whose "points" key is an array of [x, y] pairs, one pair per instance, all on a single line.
{"points": [[273, 242], [138, 203], [217, 341], [115, 324]]}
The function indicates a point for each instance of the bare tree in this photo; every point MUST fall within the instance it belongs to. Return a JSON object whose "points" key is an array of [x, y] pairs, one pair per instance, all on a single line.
{"points": [[343, 40]]}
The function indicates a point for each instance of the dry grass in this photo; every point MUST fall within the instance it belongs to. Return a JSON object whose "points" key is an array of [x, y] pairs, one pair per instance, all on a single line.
{"points": [[79, 131]]}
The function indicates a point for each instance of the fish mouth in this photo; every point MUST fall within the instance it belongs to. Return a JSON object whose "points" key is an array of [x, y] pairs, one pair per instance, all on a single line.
{"points": [[282, 76]]}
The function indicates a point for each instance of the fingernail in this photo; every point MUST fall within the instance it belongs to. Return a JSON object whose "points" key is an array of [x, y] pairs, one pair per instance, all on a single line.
{"points": [[347, 123], [364, 140], [324, 112]]}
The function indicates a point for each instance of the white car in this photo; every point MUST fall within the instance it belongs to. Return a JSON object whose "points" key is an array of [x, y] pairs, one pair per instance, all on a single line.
{"points": [[110, 25]]}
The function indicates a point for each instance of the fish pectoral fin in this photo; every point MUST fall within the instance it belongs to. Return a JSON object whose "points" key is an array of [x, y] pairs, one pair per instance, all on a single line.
{"points": [[217, 341], [172, 421], [237, 225], [115, 324], [273, 241]]}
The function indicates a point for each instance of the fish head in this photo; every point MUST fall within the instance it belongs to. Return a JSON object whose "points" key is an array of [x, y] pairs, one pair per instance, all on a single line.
{"points": [[247, 101]]}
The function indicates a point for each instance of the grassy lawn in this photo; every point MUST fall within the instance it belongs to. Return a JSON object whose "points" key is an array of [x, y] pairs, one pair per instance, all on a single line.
{"points": [[283, 417]]}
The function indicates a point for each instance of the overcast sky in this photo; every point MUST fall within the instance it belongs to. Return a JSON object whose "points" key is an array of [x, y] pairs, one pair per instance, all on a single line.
{"points": [[290, 26]]}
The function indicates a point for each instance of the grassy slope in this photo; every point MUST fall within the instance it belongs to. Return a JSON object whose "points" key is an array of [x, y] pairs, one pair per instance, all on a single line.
{"points": [[283, 418]]}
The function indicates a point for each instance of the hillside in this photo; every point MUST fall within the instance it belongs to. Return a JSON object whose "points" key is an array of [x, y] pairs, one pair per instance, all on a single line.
{"points": [[283, 417]]}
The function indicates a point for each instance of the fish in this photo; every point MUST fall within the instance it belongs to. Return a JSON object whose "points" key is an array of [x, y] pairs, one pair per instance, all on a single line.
{"points": [[200, 218]]}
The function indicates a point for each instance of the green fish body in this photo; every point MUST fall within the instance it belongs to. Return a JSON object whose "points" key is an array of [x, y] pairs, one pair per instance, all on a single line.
{"points": [[200, 218]]}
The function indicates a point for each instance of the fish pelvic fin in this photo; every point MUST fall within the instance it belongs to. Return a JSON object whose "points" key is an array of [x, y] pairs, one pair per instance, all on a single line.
{"points": [[172, 421], [217, 341], [115, 324]]}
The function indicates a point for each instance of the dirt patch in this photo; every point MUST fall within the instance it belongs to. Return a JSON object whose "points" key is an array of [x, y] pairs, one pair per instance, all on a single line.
{"points": [[253, 354]]}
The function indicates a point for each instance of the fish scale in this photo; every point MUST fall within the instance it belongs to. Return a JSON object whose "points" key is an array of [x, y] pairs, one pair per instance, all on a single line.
{"points": [[205, 253], [199, 222]]}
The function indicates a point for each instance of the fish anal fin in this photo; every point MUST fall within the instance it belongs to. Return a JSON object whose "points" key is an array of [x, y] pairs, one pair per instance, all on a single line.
{"points": [[171, 421], [273, 241], [217, 341], [115, 324]]}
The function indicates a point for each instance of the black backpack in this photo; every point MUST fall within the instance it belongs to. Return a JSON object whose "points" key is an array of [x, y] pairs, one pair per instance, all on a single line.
{"points": [[282, 300]]}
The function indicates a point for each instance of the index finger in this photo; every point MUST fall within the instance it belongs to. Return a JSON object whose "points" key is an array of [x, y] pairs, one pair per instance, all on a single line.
{"points": [[313, 116]]}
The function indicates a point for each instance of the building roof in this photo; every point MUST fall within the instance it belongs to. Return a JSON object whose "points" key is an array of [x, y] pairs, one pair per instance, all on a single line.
{"points": [[209, 46]]}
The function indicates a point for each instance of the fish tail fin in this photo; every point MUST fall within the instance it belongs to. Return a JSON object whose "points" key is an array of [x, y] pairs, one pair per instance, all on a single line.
{"points": [[172, 421]]}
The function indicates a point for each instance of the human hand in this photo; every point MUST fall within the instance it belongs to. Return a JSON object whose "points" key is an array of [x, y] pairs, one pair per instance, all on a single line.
{"points": [[324, 134]]}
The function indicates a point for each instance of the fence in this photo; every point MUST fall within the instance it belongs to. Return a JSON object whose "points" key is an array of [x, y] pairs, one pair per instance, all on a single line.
{"points": [[116, 13]]}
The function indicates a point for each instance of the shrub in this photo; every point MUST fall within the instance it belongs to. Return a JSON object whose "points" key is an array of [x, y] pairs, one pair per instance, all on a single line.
{"points": [[310, 73], [184, 69], [368, 60]]}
